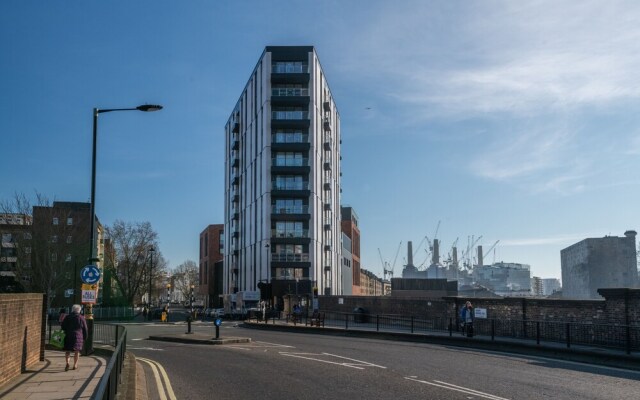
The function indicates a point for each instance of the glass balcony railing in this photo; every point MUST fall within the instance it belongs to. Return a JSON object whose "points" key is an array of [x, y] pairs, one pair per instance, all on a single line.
{"points": [[290, 210], [290, 162], [290, 186], [283, 257], [293, 67], [290, 115], [289, 92], [298, 233], [285, 137]]}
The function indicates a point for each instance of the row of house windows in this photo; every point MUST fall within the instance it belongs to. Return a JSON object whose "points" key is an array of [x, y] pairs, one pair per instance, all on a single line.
{"points": [[56, 221]]}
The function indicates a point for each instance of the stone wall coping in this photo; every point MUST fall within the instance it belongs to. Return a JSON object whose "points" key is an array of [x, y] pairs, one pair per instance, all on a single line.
{"points": [[520, 299]]}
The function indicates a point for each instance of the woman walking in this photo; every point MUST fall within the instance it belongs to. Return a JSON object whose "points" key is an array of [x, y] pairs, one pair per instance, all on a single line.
{"points": [[75, 329]]}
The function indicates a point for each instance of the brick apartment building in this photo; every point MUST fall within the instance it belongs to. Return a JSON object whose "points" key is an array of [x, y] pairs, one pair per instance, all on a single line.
{"points": [[211, 249], [349, 224]]}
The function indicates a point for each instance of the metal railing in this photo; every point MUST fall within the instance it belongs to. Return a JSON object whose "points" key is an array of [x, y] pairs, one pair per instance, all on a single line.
{"points": [[619, 337], [116, 336]]}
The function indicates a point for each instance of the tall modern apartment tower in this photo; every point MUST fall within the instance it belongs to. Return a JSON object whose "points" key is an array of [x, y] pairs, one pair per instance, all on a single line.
{"points": [[282, 180]]}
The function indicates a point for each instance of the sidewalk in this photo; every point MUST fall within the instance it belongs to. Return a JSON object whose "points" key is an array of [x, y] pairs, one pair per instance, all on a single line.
{"points": [[48, 380]]}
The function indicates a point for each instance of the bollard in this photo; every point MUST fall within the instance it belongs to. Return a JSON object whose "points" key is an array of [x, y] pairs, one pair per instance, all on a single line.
{"points": [[217, 332]]}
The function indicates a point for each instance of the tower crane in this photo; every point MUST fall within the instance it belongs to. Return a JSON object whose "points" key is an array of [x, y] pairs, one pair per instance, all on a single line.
{"points": [[465, 255], [491, 248]]}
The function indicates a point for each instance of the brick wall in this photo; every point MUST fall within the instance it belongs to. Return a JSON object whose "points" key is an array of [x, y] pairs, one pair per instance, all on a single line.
{"points": [[384, 305], [618, 307], [21, 339]]}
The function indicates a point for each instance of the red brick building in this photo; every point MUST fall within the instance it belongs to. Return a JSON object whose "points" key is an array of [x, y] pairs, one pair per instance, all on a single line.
{"points": [[211, 249], [350, 228]]}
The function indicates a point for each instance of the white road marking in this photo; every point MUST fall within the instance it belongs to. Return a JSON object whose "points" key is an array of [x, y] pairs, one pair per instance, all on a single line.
{"points": [[462, 389], [144, 348], [138, 339], [155, 367], [357, 364], [275, 345]]}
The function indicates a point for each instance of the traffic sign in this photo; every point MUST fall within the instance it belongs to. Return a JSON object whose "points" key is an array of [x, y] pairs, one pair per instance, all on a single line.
{"points": [[90, 274], [218, 322]]}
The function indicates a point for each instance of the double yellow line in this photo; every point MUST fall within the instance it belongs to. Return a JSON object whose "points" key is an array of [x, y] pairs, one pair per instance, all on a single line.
{"points": [[158, 370]]}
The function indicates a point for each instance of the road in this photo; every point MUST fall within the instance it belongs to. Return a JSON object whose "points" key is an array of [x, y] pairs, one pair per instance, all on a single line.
{"points": [[280, 365]]}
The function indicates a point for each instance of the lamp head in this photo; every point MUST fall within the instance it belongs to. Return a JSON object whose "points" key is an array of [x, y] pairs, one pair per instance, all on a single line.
{"points": [[149, 107]]}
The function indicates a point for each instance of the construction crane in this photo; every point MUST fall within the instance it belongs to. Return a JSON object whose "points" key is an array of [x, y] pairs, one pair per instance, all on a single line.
{"points": [[465, 255], [385, 271], [491, 248], [385, 265]]}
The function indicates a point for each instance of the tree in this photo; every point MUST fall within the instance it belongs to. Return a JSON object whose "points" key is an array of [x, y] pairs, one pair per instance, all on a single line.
{"points": [[128, 259], [185, 275]]}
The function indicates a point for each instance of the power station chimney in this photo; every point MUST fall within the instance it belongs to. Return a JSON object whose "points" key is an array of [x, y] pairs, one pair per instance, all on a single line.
{"points": [[480, 259], [436, 252], [409, 254], [455, 256]]}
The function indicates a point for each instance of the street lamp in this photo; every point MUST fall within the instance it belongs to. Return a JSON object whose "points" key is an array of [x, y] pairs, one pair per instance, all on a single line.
{"points": [[92, 241], [191, 300], [151, 251], [168, 295]]}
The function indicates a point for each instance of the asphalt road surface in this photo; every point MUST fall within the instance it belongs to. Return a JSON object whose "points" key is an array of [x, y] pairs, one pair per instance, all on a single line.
{"points": [[283, 365]]}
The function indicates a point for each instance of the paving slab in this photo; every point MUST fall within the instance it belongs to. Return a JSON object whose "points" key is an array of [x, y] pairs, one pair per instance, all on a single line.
{"points": [[47, 380]]}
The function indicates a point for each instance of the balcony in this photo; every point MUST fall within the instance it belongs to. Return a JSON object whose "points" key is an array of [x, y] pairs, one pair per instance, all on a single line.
{"points": [[236, 127], [290, 115], [300, 233], [327, 247], [327, 124], [326, 165], [290, 186], [235, 180], [327, 227], [290, 162], [284, 257], [328, 142], [235, 143], [236, 216], [327, 206], [236, 233], [326, 106], [327, 268], [327, 186], [290, 210], [289, 92], [235, 162]]}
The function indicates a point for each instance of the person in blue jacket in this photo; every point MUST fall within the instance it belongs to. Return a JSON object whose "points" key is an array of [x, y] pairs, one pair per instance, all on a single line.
{"points": [[467, 315]]}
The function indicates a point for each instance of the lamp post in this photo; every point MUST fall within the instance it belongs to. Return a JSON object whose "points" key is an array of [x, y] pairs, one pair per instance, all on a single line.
{"points": [[191, 299], [151, 251], [92, 233], [92, 241], [168, 295]]}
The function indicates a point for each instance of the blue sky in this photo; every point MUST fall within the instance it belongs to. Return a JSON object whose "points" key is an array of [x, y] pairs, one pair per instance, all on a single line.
{"points": [[518, 122]]}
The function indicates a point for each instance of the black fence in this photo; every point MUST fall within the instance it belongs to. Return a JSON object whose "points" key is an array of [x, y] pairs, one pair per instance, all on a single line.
{"points": [[620, 337], [116, 336]]}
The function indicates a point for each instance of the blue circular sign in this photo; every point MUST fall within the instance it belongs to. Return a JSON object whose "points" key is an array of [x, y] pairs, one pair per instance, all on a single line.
{"points": [[218, 322], [90, 274]]}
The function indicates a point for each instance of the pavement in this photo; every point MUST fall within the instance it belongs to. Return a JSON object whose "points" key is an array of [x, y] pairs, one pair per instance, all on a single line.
{"points": [[47, 380]]}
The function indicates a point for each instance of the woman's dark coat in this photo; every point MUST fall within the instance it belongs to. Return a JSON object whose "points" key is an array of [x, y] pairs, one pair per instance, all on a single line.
{"points": [[75, 329]]}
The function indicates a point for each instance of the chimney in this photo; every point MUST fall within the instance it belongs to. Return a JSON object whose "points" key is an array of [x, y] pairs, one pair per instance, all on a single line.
{"points": [[480, 260], [409, 254], [436, 252], [630, 234], [455, 256]]}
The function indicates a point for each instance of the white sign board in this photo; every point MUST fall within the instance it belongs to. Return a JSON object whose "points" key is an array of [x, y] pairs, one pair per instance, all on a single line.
{"points": [[89, 296], [480, 313], [340, 300]]}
